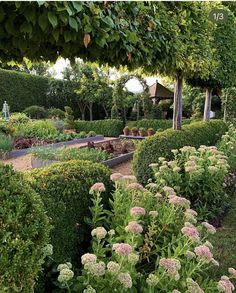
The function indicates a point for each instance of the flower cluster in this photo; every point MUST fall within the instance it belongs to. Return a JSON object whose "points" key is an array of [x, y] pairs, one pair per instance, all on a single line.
{"points": [[190, 231], [172, 267], [99, 232], [137, 211], [134, 227], [65, 273], [122, 249], [224, 285], [98, 187]]}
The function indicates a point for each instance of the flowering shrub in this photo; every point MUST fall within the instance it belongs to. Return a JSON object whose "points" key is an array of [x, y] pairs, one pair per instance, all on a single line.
{"points": [[146, 242], [228, 146], [197, 174]]}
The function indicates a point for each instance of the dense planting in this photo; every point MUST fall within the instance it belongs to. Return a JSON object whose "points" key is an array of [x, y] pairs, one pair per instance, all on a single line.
{"points": [[64, 189], [109, 127], [161, 144], [24, 233]]}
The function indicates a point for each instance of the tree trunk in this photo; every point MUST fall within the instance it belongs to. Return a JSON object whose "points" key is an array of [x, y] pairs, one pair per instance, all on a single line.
{"points": [[207, 108], [225, 106], [138, 111], [91, 111], [177, 111], [105, 110], [82, 111]]}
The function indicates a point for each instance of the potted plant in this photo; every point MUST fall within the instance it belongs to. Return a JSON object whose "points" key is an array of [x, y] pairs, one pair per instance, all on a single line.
{"points": [[134, 131], [69, 126], [150, 131], [126, 130], [142, 131]]}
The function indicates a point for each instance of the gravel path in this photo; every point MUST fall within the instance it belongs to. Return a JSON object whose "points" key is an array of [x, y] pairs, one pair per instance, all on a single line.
{"points": [[124, 168]]}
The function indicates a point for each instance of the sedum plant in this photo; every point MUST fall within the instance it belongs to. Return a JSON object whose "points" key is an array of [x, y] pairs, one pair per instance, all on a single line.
{"points": [[150, 241], [197, 174]]}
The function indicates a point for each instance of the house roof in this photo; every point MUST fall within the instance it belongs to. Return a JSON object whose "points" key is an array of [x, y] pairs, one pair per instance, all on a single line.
{"points": [[157, 90]]}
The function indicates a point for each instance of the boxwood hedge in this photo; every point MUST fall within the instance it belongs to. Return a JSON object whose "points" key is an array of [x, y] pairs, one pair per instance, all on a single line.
{"points": [[64, 189], [109, 127], [161, 144], [155, 123]]}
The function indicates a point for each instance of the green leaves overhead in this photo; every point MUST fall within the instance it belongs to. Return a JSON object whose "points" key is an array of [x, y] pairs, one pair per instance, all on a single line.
{"points": [[52, 19]]}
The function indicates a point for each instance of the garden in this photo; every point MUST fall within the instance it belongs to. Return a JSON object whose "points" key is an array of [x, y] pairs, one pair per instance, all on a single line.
{"points": [[105, 185]]}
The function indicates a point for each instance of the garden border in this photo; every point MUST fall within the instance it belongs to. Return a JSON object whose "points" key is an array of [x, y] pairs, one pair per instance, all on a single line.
{"points": [[22, 152]]}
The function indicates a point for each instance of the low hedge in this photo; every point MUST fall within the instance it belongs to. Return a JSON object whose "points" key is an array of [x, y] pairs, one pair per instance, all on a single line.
{"points": [[109, 127], [155, 123], [64, 189], [161, 144], [24, 233]]}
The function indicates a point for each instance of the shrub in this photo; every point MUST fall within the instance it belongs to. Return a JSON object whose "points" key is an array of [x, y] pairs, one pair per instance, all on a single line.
{"points": [[199, 175], [24, 233], [35, 112], [40, 129], [109, 127], [151, 243], [18, 118], [59, 124], [64, 189], [55, 112], [6, 129], [6, 143], [161, 144], [227, 144], [91, 134], [69, 119]]}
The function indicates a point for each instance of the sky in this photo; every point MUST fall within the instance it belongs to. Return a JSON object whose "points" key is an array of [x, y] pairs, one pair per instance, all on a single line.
{"points": [[132, 85]]}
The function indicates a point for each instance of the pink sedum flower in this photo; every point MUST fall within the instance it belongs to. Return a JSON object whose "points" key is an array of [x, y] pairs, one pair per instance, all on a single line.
{"points": [[122, 249], [191, 232], [224, 285], [137, 211], [203, 252], [99, 186], [179, 201], [232, 272], [116, 177], [172, 266], [136, 186], [134, 227], [88, 258], [210, 229]]}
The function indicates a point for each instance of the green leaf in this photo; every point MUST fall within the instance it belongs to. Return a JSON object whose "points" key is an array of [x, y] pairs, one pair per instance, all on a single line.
{"points": [[67, 36], [55, 35], [52, 19], [108, 21], [40, 3], [77, 5], [88, 28], [18, 4], [26, 28], [10, 27], [132, 37], [101, 42], [43, 21], [73, 23]]}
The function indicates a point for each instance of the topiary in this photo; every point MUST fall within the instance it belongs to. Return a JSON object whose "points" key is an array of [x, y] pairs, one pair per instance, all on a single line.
{"points": [[35, 112], [24, 232], [56, 113], [69, 118], [64, 189]]}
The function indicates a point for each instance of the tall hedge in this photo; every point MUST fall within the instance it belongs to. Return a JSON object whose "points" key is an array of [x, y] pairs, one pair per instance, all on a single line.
{"points": [[155, 123], [64, 189], [109, 127], [23, 235], [161, 144]]}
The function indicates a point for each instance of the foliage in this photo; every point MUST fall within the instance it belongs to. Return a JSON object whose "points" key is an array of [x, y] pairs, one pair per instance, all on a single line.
{"points": [[59, 124], [229, 103], [109, 127], [6, 128], [161, 144], [227, 144], [35, 112], [64, 189], [55, 113], [18, 118], [197, 174], [91, 133], [39, 129], [156, 112], [24, 233], [147, 243], [65, 154], [69, 118], [6, 143]]}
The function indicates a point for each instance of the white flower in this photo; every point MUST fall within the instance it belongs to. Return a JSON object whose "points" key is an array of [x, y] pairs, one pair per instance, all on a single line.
{"points": [[65, 275], [113, 267], [88, 258], [99, 232], [125, 279]]}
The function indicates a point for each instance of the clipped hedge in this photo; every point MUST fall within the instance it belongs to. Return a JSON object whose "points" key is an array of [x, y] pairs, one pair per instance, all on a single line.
{"points": [[23, 235], [64, 189], [109, 127], [155, 123], [161, 144]]}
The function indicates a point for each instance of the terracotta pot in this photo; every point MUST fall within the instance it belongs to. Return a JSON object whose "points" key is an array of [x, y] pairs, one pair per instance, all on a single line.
{"points": [[134, 132], [151, 132], [142, 133], [126, 132], [69, 131]]}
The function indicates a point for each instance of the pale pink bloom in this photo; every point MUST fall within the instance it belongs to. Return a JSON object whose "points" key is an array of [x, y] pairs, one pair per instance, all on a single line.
{"points": [[179, 201], [192, 212], [129, 178], [136, 186], [134, 227], [203, 252], [232, 271], [113, 267], [153, 214], [172, 266], [193, 286], [211, 229], [122, 249], [191, 232], [224, 285], [168, 189], [176, 291], [137, 211], [99, 186], [88, 258], [116, 177], [125, 279], [96, 269], [99, 232]]}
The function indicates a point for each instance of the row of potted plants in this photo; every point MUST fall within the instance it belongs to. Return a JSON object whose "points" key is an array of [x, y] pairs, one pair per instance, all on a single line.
{"points": [[134, 131]]}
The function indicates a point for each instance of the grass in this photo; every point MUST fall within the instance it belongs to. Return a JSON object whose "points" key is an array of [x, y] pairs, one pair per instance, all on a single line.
{"points": [[224, 242]]}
